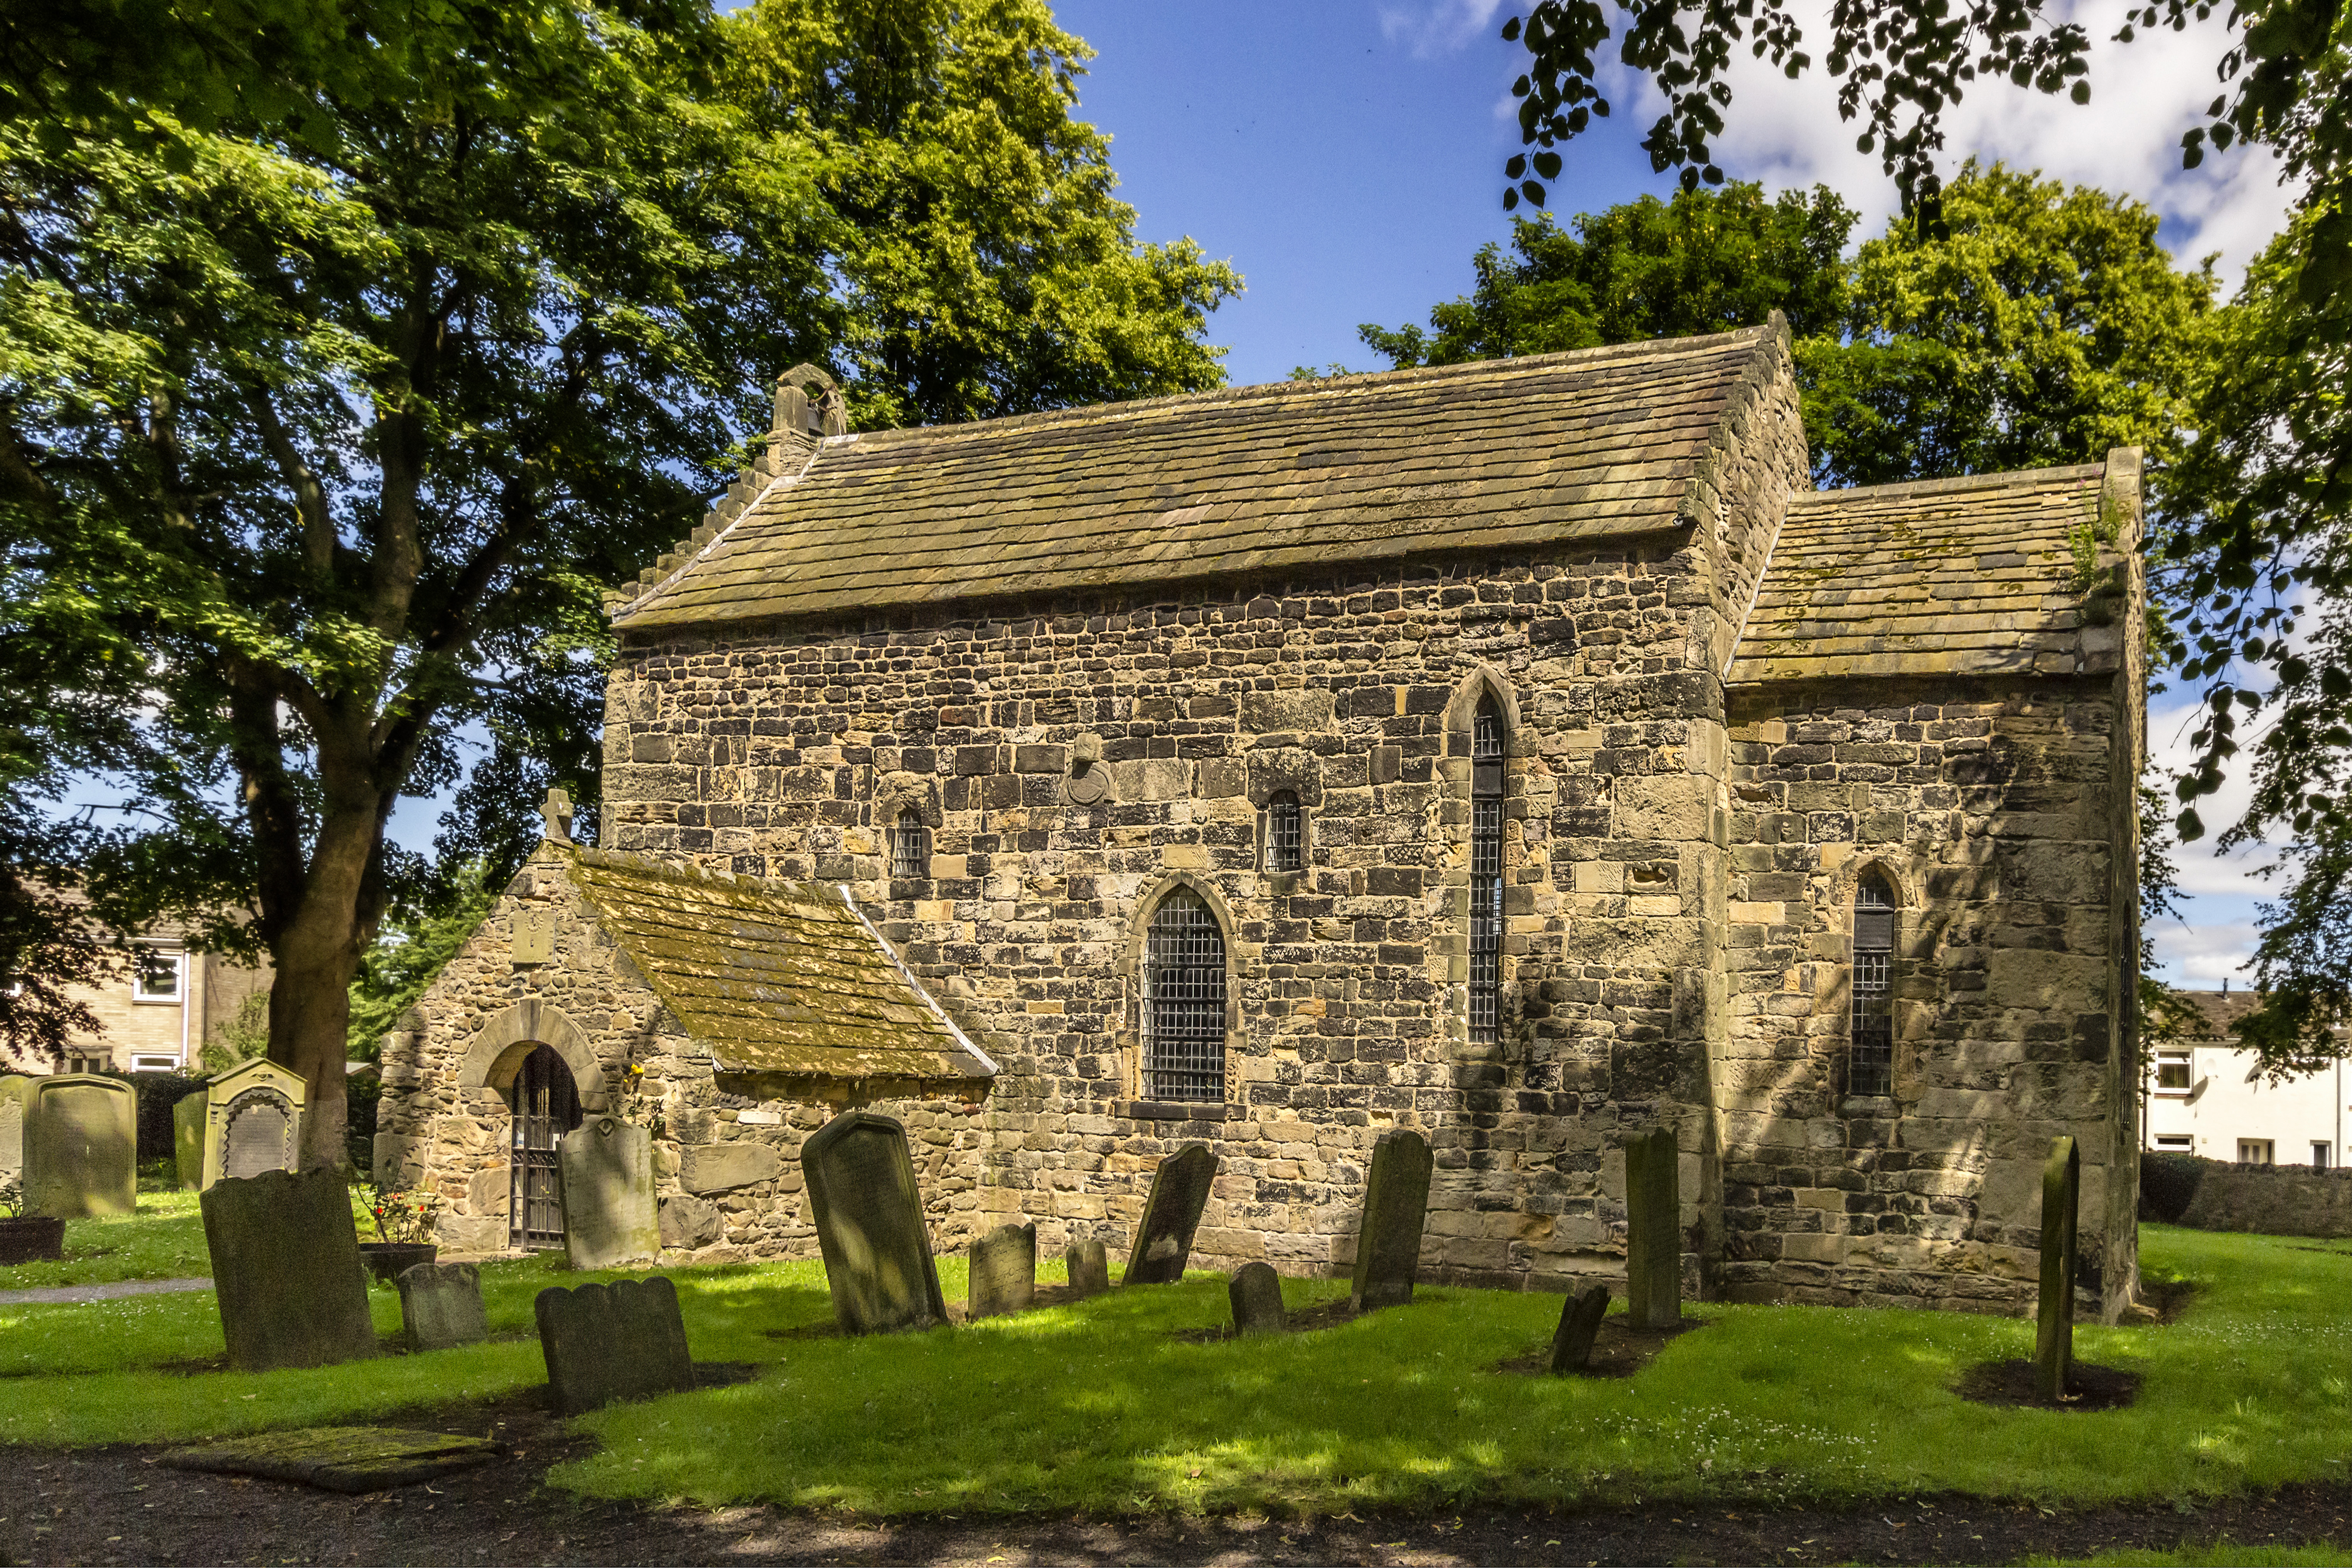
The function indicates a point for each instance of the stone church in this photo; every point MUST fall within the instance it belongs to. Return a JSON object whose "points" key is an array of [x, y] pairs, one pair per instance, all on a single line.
{"points": [[1519, 751]]}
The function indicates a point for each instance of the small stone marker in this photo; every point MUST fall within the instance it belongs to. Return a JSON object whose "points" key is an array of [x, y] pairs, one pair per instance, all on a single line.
{"points": [[15, 1097], [610, 1219], [1180, 1191], [1256, 1293], [441, 1305], [286, 1271], [81, 1147], [610, 1343], [1003, 1274], [1396, 1204], [2054, 1335], [340, 1459], [1579, 1320], [188, 1138], [869, 1224], [1089, 1267], [1654, 1231]]}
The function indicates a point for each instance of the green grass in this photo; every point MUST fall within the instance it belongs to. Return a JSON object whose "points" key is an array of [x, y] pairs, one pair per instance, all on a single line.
{"points": [[2219, 1554], [165, 1240], [1098, 1406]]}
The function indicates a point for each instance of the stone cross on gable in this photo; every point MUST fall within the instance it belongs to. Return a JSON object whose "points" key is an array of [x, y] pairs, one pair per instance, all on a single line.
{"points": [[557, 815]]}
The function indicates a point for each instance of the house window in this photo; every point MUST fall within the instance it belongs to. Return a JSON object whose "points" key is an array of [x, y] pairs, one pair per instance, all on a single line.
{"points": [[1486, 873], [2175, 1142], [2172, 1072], [910, 847], [1870, 1053], [1184, 1001], [157, 976], [154, 1064], [1285, 833], [2257, 1152]]}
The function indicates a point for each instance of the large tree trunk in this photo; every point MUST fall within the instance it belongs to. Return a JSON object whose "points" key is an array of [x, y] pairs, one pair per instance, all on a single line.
{"points": [[317, 955]]}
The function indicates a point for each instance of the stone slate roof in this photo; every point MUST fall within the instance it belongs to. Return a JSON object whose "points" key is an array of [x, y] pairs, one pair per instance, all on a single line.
{"points": [[1504, 453], [772, 976], [1973, 576]]}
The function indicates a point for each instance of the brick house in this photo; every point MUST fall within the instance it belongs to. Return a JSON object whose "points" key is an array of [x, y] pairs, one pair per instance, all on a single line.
{"points": [[1521, 751]]}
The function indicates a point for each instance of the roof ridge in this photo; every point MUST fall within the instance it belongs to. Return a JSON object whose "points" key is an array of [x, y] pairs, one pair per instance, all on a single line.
{"points": [[688, 871], [2007, 479]]}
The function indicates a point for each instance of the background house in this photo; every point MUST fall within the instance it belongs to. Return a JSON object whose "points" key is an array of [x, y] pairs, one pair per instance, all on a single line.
{"points": [[2208, 1097]]}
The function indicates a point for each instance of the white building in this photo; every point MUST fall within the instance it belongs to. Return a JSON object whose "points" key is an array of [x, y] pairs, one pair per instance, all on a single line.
{"points": [[2210, 1098]]}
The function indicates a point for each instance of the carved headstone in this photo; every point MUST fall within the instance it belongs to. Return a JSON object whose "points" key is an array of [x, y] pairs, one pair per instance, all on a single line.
{"points": [[253, 1121], [188, 1138], [15, 1098], [1579, 1320], [81, 1147], [1396, 1204], [869, 1224], [1180, 1191], [1089, 1266], [286, 1271], [2053, 1336], [610, 1219], [609, 1343], [1256, 1293], [1653, 1230], [441, 1305], [1002, 1276]]}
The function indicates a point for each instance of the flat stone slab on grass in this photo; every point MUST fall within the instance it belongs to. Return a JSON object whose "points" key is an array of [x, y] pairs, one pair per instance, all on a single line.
{"points": [[340, 1459]]}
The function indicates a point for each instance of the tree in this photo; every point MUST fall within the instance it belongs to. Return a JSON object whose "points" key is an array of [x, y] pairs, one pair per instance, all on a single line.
{"points": [[346, 414]]}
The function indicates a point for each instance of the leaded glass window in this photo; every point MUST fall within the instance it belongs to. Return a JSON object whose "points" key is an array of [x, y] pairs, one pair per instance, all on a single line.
{"points": [[1285, 833], [1487, 873], [910, 847], [1184, 1001], [1870, 1053]]}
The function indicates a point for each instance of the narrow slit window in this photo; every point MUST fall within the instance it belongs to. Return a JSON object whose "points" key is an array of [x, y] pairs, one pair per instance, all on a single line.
{"points": [[1487, 874], [1184, 1001], [910, 847], [1285, 833], [1870, 1054]]}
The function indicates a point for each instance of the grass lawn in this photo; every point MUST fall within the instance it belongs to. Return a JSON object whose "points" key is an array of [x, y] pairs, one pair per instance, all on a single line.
{"points": [[1098, 1406], [165, 1240]]}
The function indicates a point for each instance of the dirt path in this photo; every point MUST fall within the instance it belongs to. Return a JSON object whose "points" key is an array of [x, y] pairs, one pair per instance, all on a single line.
{"points": [[115, 1291]]}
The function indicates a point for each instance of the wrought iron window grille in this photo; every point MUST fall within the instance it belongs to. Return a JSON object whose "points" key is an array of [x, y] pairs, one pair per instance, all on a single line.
{"points": [[1485, 873], [1870, 1049], [1184, 1001], [1285, 833], [910, 847]]}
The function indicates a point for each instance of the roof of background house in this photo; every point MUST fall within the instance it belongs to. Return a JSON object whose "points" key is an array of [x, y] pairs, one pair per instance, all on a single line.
{"points": [[772, 976], [1970, 577], [1498, 454]]}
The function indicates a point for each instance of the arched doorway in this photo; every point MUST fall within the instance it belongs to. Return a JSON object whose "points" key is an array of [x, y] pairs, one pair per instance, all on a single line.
{"points": [[544, 1104]]}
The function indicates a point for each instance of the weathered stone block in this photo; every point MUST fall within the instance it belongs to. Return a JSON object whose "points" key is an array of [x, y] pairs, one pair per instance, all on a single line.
{"points": [[1001, 1273], [1180, 1191], [441, 1305], [1579, 1321], [1254, 1293], [2053, 1336], [689, 1222], [1396, 1206], [286, 1271], [1653, 1230], [722, 1167], [605, 1343], [1089, 1266], [81, 1147], [869, 1224], [609, 1218]]}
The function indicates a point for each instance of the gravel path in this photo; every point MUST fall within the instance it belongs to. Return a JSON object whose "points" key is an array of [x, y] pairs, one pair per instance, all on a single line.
{"points": [[111, 1292]]}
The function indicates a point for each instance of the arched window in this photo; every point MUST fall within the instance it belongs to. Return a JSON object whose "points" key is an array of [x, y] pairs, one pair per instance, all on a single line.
{"points": [[1184, 1001], [1870, 1052], [1286, 832], [910, 845], [1486, 873]]}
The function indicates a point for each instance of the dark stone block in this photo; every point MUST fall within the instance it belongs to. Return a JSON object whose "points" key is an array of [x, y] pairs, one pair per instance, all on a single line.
{"points": [[869, 1224], [1396, 1206], [2054, 1335], [610, 1343], [1002, 1273], [1089, 1266], [1180, 1191], [1256, 1293], [1653, 1230], [340, 1459], [441, 1305], [286, 1271], [1579, 1320]]}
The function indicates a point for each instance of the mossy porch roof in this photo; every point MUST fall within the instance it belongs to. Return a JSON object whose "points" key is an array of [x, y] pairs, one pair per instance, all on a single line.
{"points": [[771, 976], [1973, 576], [1497, 455]]}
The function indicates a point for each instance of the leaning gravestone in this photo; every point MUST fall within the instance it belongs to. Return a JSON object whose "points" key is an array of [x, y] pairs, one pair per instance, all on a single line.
{"points": [[188, 1138], [1089, 1267], [441, 1305], [1654, 1231], [1256, 1293], [1180, 1191], [1388, 1240], [81, 1147], [2053, 1337], [869, 1224], [15, 1095], [286, 1271], [1003, 1274], [610, 1218], [1579, 1321], [608, 1343]]}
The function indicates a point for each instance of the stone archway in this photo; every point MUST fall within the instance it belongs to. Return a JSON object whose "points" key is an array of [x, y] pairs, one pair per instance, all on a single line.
{"points": [[498, 1051]]}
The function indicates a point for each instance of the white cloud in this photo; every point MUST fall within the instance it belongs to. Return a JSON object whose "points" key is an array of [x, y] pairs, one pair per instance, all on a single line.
{"points": [[2200, 957], [1439, 27]]}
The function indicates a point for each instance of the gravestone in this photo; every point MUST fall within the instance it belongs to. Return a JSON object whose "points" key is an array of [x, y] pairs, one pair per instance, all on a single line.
{"points": [[340, 1459], [1002, 1276], [286, 1271], [441, 1305], [609, 1343], [869, 1224], [1388, 1239], [188, 1140], [1579, 1320], [2054, 1335], [610, 1218], [15, 1095], [253, 1121], [1180, 1191], [81, 1147], [1256, 1293], [1089, 1266], [1653, 1230]]}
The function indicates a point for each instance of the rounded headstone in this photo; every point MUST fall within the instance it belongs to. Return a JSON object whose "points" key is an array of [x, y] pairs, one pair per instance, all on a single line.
{"points": [[610, 1219], [1002, 1273], [1255, 1294]]}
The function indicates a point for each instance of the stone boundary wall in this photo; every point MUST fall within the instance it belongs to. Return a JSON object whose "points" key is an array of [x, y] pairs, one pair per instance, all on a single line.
{"points": [[2268, 1200]]}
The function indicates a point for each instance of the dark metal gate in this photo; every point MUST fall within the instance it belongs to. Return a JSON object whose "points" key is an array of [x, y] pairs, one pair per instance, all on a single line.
{"points": [[546, 1105]]}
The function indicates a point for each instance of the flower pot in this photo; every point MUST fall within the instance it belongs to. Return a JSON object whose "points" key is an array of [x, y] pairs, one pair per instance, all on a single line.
{"points": [[385, 1259], [31, 1239]]}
